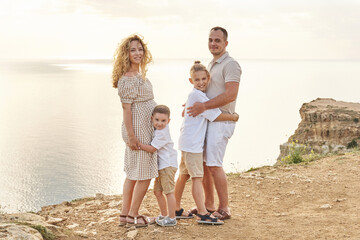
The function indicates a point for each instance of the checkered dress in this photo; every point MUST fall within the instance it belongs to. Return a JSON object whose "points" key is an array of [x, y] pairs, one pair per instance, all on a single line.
{"points": [[139, 164]]}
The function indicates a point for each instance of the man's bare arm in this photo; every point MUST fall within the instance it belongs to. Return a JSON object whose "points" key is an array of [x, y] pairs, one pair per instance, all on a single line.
{"points": [[230, 94]]}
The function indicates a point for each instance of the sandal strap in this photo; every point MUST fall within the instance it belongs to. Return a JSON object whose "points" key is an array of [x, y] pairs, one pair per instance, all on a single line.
{"points": [[140, 217], [179, 212], [207, 217], [124, 216]]}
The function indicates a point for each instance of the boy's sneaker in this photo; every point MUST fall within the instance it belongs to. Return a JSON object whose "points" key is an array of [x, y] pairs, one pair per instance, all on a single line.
{"points": [[166, 222], [160, 217]]}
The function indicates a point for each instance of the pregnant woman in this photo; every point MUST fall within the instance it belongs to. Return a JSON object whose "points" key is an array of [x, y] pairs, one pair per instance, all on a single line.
{"points": [[136, 95]]}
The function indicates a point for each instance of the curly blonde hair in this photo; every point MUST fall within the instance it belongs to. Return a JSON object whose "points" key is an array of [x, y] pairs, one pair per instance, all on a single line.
{"points": [[122, 63]]}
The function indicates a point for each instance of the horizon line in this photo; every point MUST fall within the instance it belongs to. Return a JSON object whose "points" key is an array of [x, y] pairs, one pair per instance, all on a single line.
{"points": [[80, 58]]}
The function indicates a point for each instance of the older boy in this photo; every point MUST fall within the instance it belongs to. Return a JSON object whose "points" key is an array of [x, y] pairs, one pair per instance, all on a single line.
{"points": [[191, 144]]}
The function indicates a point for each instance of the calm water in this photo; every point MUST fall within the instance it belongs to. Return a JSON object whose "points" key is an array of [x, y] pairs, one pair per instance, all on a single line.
{"points": [[60, 136]]}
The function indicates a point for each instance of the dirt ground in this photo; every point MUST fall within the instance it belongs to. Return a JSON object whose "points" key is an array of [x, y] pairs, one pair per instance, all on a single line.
{"points": [[319, 200]]}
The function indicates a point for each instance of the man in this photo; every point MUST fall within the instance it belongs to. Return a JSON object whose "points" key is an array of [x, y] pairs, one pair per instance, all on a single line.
{"points": [[222, 91]]}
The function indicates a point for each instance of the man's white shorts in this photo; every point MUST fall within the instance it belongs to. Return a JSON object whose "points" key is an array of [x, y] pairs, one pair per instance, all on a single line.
{"points": [[217, 137]]}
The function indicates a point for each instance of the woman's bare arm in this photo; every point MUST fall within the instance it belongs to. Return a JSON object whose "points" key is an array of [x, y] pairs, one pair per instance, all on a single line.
{"points": [[133, 142]]}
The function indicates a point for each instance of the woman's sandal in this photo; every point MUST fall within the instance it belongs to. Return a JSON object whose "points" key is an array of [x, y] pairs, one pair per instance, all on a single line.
{"points": [[207, 219], [123, 223], [179, 214], [146, 221]]}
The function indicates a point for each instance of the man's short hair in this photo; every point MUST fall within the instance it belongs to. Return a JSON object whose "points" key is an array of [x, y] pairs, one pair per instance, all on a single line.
{"points": [[161, 109], [221, 29]]}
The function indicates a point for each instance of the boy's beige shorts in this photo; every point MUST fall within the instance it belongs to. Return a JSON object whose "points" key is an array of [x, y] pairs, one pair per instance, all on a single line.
{"points": [[166, 181], [192, 164]]}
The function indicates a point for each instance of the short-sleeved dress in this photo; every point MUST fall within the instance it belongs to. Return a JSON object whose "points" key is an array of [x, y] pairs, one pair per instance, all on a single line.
{"points": [[139, 164]]}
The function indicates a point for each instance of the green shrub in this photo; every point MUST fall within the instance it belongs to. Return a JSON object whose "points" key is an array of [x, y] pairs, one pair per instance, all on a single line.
{"points": [[47, 235], [356, 120], [352, 144], [297, 154]]}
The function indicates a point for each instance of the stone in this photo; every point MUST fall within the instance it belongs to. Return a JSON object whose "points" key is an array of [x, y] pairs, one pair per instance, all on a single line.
{"points": [[92, 224], [308, 180], [74, 225], [52, 220], [108, 220], [272, 178], [340, 200], [110, 212], [59, 210], [157, 231], [100, 196], [132, 234], [81, 233], [325, 206], [15, 231], [113, 204], [32, 219], [25, 217]]}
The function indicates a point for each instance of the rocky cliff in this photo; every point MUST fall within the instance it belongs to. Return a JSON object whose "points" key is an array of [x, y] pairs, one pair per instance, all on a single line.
{"points": [[326, 126]]}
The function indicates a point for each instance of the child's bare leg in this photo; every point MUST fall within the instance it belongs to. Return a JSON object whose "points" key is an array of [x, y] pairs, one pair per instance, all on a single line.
{"points": [[161, 202], [208, 184], [198, 194], [171, 202], [179, 189]]}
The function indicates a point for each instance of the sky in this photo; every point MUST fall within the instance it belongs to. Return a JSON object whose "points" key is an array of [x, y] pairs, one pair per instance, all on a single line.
{"points": [[258, 29]]}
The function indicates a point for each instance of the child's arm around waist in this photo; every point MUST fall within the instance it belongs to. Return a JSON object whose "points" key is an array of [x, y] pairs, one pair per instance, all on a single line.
{"points": [[147, 148], [227, 117]]}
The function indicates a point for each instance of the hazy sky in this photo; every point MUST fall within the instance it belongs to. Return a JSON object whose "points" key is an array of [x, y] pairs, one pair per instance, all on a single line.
{"points": [[316, 29]]}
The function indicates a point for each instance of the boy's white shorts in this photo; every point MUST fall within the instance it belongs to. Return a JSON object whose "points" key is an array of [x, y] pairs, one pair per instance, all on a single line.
{"points": [[217, 137]]}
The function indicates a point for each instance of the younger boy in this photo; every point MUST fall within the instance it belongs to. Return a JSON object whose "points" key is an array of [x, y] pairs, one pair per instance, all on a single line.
{"points": [[191, 144], [167, 164]]}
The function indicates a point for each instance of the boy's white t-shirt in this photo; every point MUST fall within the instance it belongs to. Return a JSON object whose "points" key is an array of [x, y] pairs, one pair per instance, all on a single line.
{"points": [[193, 129], [167, 155]]}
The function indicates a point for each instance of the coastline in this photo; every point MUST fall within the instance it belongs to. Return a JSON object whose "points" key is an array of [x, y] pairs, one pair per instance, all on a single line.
{"points": [[317, 200]]}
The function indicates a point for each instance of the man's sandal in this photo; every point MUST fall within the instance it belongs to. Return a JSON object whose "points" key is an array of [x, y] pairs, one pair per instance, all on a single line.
{"points": [[179, 214], [222, 215], [207, 219], [146, 221], [123, 223]]}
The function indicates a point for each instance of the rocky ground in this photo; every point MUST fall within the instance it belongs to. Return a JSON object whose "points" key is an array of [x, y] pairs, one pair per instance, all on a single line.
{"points": [[318, 200]]}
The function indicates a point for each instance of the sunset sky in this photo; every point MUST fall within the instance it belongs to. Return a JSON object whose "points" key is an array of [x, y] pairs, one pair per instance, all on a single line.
{"points": [[277, 29]]}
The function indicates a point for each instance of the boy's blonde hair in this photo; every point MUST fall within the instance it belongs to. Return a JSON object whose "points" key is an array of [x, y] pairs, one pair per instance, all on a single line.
{"points": [[122, 58], [198, 67], [161, 109]]}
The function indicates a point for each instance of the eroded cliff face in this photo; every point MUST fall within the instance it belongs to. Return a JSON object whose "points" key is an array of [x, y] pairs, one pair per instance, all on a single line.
{"points": [[326, 126]]}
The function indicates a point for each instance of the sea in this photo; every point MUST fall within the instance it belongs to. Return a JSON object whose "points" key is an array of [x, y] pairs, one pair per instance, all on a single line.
{"points": [[60, 120]]}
